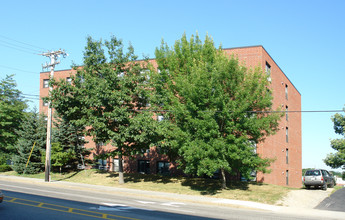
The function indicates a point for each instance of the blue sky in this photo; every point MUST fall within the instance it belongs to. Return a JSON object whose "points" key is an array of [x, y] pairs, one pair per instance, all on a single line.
{"points": [[305, 38]]}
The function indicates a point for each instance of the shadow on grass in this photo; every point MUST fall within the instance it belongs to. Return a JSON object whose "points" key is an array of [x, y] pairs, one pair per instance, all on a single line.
{"points": [[214, 186], [69, 177], [205, 186], [138, 177]]}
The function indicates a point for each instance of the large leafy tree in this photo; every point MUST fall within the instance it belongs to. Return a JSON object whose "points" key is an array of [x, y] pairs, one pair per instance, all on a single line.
{"points": [[32, 135], [336, 160], [12, 108], [214, 108], [108, 96]]}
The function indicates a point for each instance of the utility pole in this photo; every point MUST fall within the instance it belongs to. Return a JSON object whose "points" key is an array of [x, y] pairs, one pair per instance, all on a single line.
{"points": [[53, 55]]}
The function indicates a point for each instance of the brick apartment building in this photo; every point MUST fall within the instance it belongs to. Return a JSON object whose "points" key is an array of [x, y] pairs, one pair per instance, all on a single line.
{"points": [[285, 146]]}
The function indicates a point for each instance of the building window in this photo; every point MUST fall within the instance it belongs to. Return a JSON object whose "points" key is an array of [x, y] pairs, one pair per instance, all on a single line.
{"points": [[268, 71], [286, 91], [287, 134], [116, 165], [45, 103], [287, 177], [163, 167], [102, 164], [69, 80], [81, 141], [286, 113], [144, 166], [46, 83], [287, 156]]}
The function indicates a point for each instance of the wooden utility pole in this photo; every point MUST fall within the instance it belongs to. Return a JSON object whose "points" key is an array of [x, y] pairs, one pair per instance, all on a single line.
{"points": [[53, 55]]}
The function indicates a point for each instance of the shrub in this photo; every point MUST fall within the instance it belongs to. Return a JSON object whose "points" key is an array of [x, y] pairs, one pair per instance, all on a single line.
{"points": [[5, 168]]}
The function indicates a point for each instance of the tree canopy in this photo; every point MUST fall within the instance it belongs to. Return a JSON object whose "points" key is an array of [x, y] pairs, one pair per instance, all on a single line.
{"points": [[213, 108], [12, 108], [337, 160], [107, 96], [67, 144], [32, 132]]}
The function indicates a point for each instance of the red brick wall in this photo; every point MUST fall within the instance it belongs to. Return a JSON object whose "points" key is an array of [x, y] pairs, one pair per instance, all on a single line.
{"points": [[275, 146]]}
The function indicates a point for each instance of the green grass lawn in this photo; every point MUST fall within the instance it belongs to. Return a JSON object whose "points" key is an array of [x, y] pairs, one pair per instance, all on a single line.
{"points": [[247, 191]]}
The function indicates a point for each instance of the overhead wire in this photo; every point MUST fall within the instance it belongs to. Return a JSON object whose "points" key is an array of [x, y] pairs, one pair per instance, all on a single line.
{"points": [[12, 68], [21, 42]]}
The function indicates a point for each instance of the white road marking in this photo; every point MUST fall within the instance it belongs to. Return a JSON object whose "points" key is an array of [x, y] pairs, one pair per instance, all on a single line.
{"points": [[329, 204], [111, 204], [173, 204], [145, 202]]}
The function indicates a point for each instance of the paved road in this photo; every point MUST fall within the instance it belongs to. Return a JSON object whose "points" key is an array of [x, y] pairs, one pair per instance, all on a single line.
{"points": [[29, 199], [21, 206], [336, 202]]}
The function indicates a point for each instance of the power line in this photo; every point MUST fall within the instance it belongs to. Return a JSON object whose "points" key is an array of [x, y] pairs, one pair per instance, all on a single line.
{"points": [[31, 98], [12, 68], [22, 50], [16, 46], [30, 95], [41, 48]]}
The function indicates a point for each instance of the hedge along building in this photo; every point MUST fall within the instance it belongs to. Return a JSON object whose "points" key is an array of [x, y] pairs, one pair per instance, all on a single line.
{"points": [[285, 146]]}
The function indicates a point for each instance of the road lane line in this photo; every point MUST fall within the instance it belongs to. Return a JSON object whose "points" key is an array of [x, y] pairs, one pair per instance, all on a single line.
{"points": [[60, 208]]}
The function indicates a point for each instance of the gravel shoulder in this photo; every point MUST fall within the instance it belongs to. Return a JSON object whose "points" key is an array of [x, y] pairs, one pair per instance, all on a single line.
{"points": [[305, 198]]}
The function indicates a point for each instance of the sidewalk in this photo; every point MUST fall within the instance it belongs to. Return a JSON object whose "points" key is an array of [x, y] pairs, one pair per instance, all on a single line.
{"points": [[184, 198]]}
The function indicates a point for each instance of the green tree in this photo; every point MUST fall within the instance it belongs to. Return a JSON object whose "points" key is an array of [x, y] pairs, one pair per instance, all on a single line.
{"points": [[69, 139], [31, 131], [60, 156], [107, 95], [336, 160], [12, 108], [215, 109]]}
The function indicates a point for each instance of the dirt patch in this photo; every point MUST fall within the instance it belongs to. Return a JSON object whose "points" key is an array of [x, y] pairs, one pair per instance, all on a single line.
{"points": [[305, 198]]}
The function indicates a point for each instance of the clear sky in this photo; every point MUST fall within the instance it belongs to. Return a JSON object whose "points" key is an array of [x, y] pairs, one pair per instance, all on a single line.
{"points": [[306, 38]]}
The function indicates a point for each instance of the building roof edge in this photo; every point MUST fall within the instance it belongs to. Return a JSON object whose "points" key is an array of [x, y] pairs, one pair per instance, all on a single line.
{"points": [[232, 48]]}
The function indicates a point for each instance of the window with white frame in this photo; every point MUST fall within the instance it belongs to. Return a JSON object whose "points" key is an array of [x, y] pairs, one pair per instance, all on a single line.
{"points": [[287, 134], [287, 155], [286, 113], [46, 83], [287, 177], [45, 103]]}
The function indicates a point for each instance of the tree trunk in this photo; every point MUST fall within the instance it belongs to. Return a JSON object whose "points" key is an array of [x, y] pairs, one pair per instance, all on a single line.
{"points": [[223, 178], [121, 179]]}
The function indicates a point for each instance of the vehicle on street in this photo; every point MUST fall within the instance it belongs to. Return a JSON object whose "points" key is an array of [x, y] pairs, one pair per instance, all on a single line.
{"points": [[1, 196], [318, 178]]}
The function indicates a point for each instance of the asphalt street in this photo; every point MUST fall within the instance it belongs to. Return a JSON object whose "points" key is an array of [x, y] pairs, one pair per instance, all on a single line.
{"points": [[335, 202], [23, 206]]}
